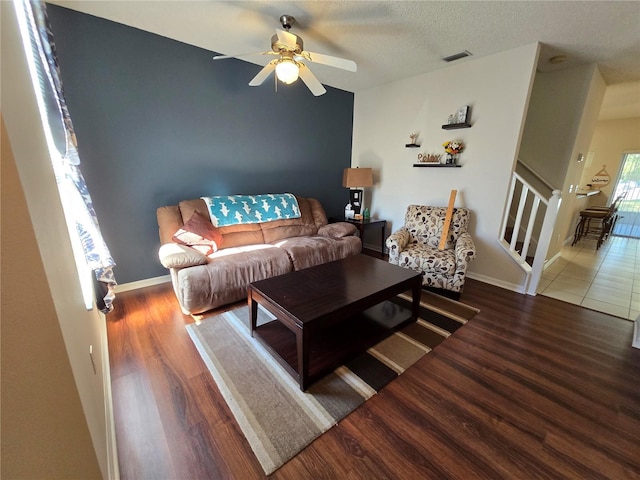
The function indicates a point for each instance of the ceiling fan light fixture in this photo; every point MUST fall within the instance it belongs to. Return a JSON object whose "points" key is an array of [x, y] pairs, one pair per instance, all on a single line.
{"points": [[287, 70], [291, 60]]}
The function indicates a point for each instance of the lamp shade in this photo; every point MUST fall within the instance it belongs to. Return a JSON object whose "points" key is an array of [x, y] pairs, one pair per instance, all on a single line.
{"points": [[287, 71], [357, 177]]}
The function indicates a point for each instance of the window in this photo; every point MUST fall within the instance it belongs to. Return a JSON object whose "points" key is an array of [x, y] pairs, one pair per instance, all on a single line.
{"points": [[628, 186], [90, 251]]}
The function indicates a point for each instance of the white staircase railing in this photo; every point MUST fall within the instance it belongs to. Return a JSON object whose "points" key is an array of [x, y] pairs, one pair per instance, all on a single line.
{"points": [[523, 220]]}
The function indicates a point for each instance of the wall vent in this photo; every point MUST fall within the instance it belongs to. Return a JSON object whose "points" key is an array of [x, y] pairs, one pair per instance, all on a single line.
{"points": [[457, 56]]}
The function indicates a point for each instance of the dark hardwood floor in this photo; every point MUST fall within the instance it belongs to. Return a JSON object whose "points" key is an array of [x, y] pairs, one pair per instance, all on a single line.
{"points": [[530, 388]]}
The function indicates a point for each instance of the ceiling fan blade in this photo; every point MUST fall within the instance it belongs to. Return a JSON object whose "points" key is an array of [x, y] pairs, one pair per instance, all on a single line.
{"points": [[286, 38], [222, 57], [337, 62], [263, 74], [311, 81]]}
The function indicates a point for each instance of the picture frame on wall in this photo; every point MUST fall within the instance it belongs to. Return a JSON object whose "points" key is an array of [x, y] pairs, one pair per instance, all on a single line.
{"points": [[463, 114]]}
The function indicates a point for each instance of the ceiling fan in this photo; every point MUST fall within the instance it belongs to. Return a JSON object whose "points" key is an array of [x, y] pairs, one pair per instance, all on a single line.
{"points": [[292, 58]]}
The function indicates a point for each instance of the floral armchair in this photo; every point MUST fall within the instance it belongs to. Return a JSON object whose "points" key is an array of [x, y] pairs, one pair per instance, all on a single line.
{"points": [[415, 246]]}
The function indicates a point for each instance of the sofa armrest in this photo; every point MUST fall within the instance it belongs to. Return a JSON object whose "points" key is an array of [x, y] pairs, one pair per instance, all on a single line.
{"points": [[396, 242], [337, 230], [465, 251], [173, 255]]}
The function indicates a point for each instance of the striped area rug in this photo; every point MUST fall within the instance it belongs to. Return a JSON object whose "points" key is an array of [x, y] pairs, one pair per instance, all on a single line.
{"points": [[277, 418]]}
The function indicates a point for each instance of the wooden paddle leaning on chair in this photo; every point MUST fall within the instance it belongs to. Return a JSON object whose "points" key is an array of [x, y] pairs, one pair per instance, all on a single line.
{"points": [[447, 220]]}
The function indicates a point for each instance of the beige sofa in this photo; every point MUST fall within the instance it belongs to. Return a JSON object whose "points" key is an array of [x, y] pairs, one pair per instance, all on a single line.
{"points": [[247, 252]]}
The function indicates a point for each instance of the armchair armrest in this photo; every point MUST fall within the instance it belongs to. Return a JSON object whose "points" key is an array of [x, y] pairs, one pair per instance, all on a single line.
{"points": [[337, 230], [396, 242], [465, 252]]}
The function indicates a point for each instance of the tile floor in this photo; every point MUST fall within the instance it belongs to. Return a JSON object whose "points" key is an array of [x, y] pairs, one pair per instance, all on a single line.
{"points": [[606, 280]]}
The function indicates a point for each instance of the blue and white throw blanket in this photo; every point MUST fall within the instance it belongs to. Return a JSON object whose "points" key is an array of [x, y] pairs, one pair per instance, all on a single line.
{"points": [[241, 209]]}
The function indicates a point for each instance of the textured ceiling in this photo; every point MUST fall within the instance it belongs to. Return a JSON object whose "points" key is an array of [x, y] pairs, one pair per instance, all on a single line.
{"points": [[390, 40]]}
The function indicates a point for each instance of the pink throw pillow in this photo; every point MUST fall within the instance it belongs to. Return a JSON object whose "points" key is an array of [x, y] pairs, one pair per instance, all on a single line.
{"points": [[200, 234]]}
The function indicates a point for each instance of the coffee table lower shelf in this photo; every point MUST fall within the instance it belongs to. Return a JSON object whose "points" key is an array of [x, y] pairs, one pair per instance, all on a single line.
{"points": [[334, 345]]}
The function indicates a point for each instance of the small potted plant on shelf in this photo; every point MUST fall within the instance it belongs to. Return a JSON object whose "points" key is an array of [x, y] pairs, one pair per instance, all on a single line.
{"points": [[453, 148]]}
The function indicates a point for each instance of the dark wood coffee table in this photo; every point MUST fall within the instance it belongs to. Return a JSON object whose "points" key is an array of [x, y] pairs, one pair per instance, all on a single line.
{"points": [[330, 313]]}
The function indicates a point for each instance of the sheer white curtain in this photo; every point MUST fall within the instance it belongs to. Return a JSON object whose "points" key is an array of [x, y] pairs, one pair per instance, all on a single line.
{"points": [[75, 196]]}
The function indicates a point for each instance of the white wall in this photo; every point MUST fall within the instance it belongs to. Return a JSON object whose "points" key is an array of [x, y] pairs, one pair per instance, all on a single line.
{"points": [[553, 119], [46, 449], [497, 89], [611, 140], [560, 121], [44, 432], [586, 120]]}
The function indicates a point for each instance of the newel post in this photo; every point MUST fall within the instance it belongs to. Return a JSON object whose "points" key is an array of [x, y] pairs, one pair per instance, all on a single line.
{"points": [[544, 241]]}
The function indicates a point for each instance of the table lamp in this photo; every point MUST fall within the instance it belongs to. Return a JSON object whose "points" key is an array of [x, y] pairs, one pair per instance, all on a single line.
{"points": [[355, 179]]}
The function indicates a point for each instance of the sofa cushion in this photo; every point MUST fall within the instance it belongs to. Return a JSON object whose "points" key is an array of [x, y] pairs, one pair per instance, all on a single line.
{"points": [[423, 258], [173, 255], [233, 235], [294, 227], [306, 252], [169, 221], [425, 224], [199, 233], [241, 235], [337, 230], [226, 277], [187, 207], [319, 215]]}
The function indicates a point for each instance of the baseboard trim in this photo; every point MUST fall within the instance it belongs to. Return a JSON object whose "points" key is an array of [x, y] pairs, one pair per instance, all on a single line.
{"points": [[497, 283], [371, 246], [113, 468], [549, 262], [149, 282]]}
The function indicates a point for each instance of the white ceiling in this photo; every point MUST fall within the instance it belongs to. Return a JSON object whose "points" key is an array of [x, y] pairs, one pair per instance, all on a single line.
{"points": [[390, 40]]}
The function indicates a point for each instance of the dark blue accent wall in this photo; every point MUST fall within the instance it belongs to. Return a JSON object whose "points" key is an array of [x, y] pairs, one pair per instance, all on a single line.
{"points": [[158, 121]]}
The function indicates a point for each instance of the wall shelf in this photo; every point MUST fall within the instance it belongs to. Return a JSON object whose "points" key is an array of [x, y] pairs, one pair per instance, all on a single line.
{"points": [[412, 145], [454, 126], [425, 164]]}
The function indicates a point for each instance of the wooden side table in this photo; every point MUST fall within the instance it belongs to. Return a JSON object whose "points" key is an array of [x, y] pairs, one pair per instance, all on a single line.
{"points": [[366, 224]]}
